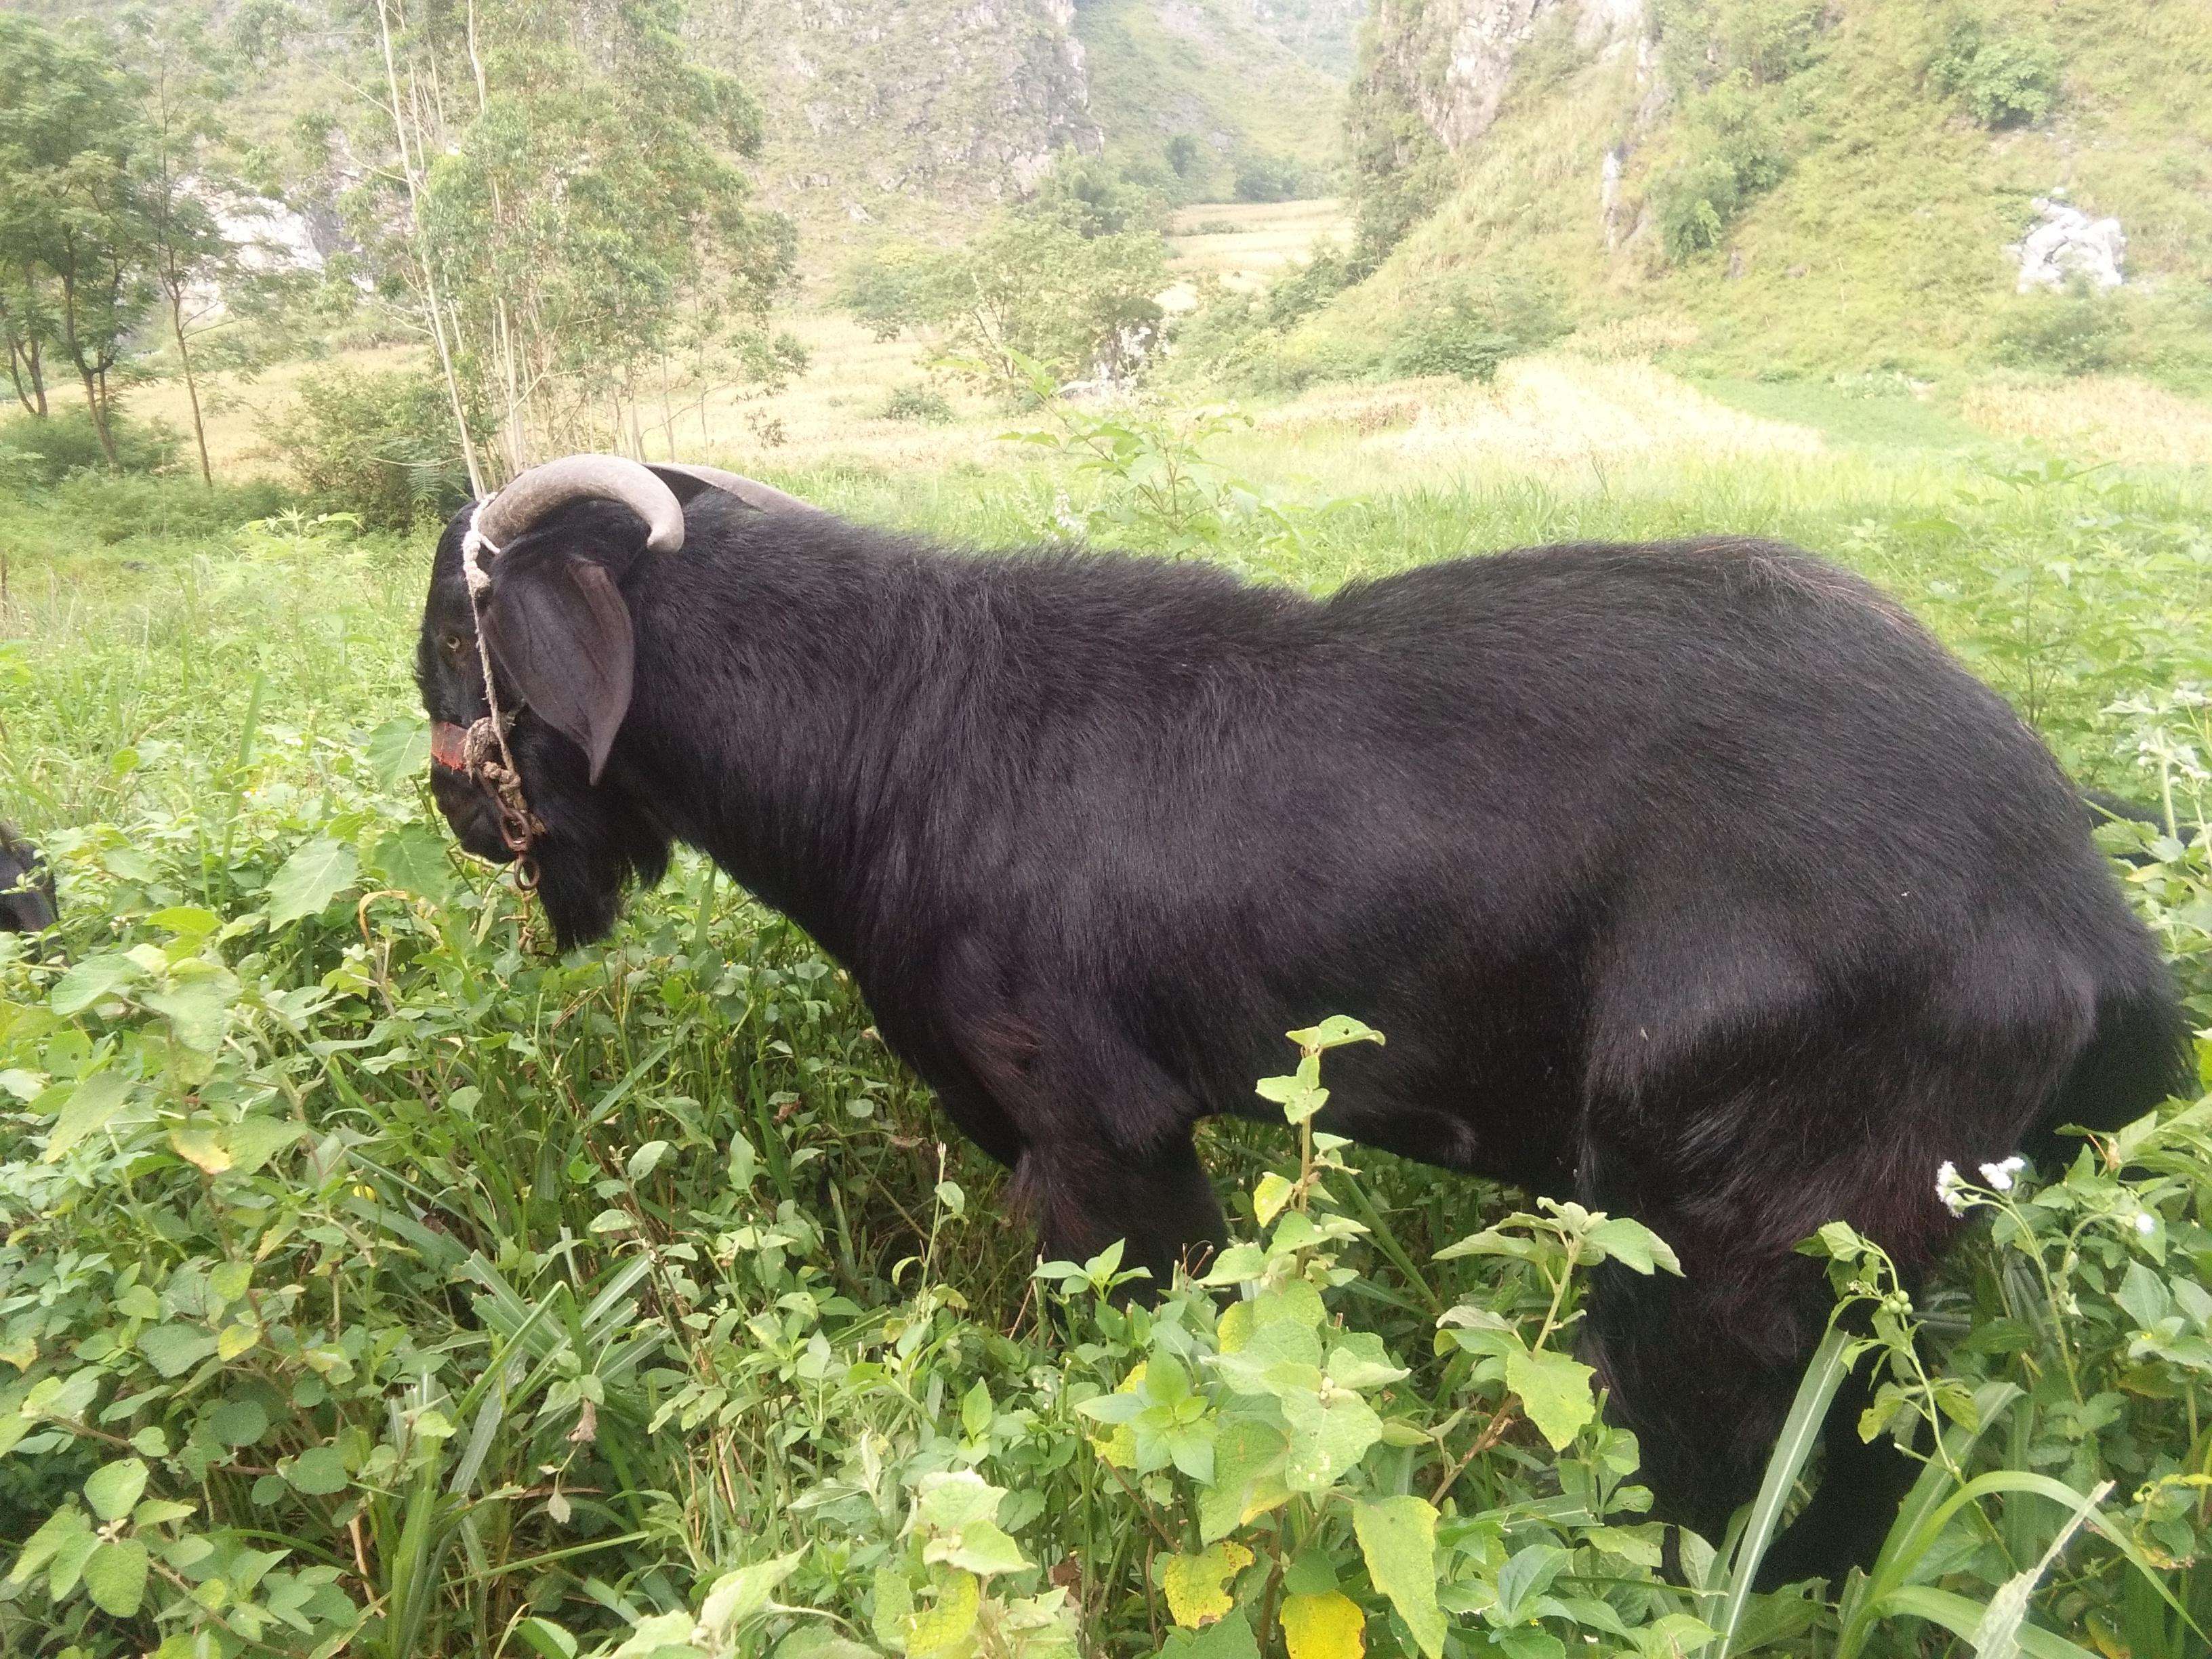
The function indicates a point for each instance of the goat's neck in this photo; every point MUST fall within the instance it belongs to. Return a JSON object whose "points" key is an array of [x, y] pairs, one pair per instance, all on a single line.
{"points": [[815, 737]]}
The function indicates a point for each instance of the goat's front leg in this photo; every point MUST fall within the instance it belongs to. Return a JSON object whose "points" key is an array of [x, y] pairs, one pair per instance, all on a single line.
{"points": [[1084, 1193]]}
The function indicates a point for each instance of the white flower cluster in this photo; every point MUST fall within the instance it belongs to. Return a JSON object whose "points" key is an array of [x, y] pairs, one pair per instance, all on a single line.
{"points": [[1952, 1191], [1949, 1189]]}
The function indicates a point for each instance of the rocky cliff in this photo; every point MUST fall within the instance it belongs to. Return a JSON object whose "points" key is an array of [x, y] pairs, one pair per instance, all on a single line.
{"points": [[1451, 61], [959, 103]]}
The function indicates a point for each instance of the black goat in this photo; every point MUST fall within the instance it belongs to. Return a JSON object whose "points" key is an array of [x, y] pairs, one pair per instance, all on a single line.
{"points": [[1694, 880], [27, 885]]}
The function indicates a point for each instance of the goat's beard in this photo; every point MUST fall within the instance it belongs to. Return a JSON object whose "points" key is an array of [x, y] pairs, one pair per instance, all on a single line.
{"points": [[596, 845]]}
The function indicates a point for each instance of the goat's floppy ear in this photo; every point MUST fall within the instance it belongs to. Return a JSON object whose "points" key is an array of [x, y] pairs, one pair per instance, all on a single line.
{"points": [[559, 628]]}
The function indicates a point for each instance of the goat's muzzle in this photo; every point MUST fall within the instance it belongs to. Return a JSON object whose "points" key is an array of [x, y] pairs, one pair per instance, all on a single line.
{"points": [[481, 798]]}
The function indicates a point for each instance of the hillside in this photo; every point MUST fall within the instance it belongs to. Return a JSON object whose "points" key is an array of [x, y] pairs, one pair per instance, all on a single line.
{"points": [[921, 114], [1789, 184], [1213, 92]]}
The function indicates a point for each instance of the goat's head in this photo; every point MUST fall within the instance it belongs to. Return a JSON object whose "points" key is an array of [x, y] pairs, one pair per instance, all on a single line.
{"points": [[550, 553], [26, 886]]}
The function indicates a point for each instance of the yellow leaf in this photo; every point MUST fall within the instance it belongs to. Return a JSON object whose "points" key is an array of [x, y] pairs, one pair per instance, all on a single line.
{"points": [[234, 1340], [203, 1147], [1326, 1627], [942, 1628], [1196, 1585], [1119, 1447], [1234, 1329], [1269, 1197]]}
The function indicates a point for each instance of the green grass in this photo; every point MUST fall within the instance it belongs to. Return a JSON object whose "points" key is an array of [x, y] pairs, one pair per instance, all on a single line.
{"points": [[465, 1300]]}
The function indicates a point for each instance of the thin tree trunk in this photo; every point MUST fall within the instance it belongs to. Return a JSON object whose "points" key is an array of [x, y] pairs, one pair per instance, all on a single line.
{"points": [[422, 256], [192, 385], [16, 375], [92, 397]]}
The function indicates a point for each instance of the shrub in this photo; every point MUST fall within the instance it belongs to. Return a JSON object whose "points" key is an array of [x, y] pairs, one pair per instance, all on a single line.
{"points": [[1268, 179], [382, 445], [2007, 76], [2077, 332], [1736, 153], [123, 507], [1475, 328], [38, 449], [920, 404]]}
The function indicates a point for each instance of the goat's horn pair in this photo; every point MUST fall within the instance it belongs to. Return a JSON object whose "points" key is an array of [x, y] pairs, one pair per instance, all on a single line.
{"points": [[751, 491], [531, 495], [644, 489]]}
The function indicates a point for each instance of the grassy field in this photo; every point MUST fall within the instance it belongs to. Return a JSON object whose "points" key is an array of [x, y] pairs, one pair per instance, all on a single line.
{"points": [[374, 1281]]}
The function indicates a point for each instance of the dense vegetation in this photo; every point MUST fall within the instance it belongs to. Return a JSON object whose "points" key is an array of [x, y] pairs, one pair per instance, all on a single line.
{"points": [[375, 1281]]}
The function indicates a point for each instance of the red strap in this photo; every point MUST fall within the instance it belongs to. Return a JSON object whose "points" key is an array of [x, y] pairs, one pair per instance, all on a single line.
{"points": [[449, 746]]}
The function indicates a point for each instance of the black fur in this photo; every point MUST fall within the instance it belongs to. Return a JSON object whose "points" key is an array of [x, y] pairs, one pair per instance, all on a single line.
{"points": [[26, 886], [1694, 880]]}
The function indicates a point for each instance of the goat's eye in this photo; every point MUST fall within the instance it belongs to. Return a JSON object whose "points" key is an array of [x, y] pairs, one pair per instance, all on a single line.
{"points": [[453, 643]]}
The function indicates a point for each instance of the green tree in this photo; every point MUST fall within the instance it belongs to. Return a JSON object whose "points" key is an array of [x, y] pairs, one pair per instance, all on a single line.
{"points": [[1028, 286], [70, 207], [183, 84], [577, 219]]}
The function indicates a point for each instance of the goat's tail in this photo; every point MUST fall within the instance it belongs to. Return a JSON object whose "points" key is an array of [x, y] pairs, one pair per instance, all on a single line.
{"points": [[2139, 1055]]}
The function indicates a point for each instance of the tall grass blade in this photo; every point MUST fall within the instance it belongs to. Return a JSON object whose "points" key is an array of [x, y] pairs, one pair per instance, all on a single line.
{"points": [[1801, 1433]]}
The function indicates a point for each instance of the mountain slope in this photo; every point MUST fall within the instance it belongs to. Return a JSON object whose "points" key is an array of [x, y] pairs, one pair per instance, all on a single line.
{"points": [[1800, 185], [1206, 72]]}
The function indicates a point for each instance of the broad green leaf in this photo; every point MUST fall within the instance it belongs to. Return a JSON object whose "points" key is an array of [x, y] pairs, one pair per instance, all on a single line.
{"points": [[1334, 1032], [949, 1500], [893, 1605], [64, 1524], [91, 980], [738, 1596], [975, 1410], [113, 1488], [318, 1472], [1329, 1626], [1225, 1639], [1525, 1577], [1330, 1432], [1269, 1195], [196, 1004], [1555, 1392], [413, 859], [1196, 1586], [237, 1422], [398, 749], [1247, 1461], [304, 886], [90, 1105], [115, 1576], [1398, 1537], [981, 1548], [175, 1349], [1359, 1361], [1631, 1243], [253, 1141]]}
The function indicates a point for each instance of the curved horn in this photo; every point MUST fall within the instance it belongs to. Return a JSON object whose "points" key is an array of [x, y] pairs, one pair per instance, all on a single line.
{"points": [[765, 497], [532, 494]]}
